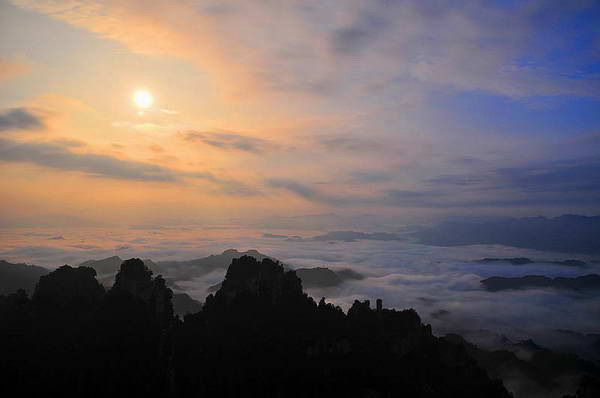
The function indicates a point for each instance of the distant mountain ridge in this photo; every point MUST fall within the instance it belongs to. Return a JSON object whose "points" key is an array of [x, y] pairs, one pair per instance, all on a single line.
{"points": [[19, 276], [189, 269], [589, 282], [324, 277], [317, 277], [566, 234], [176, 270], [111, 265], [525, 260]]}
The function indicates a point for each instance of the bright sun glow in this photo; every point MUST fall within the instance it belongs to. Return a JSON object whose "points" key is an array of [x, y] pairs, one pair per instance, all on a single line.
{"points": [[143, 99]]}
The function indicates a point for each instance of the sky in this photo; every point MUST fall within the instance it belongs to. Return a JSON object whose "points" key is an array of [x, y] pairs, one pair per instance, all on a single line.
{"points": [[397, 110]]}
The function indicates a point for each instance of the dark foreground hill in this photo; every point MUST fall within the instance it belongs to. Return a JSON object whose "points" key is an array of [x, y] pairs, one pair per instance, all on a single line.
{"points": [[529, 370], [260, 335]]}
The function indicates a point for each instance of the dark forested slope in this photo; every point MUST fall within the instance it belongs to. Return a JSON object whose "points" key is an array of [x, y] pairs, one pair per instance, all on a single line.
{"points": [[259, 335]]}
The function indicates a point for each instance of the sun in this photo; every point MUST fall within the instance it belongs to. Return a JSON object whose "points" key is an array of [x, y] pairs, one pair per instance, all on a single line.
{"points": [[143, 99]]}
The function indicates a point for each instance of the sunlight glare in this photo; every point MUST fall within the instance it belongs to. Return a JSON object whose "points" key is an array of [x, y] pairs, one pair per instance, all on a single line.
{"points": [[143, 99]]}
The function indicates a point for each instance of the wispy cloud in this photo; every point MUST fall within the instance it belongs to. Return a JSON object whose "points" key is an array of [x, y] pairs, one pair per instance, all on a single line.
{"points": [[558, 182], [304, 191], [228, 141], [19, 119], [365, 94], [551, 183], [59, 156], [453, 44], [349, 143]]}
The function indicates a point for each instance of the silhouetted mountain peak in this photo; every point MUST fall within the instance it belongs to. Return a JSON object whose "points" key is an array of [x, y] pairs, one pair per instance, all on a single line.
{"points": [[248, 276], [236, 253], [318, 277], [132, 271], [136, 278], [190, 269], [68, 288], [360, 308]]}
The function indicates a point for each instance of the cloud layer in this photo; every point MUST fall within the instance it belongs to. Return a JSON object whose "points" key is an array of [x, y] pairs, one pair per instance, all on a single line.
{"points": [[227, 141], [320, 46], [19, 119], [57, 155]]}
